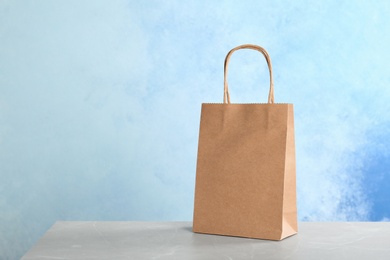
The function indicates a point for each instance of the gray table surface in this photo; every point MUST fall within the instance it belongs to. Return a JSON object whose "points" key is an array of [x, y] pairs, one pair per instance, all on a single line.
{"points": [[175, 240]]}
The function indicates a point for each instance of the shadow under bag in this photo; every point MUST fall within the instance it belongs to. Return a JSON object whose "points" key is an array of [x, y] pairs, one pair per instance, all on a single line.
{"points": [[246, 172]]}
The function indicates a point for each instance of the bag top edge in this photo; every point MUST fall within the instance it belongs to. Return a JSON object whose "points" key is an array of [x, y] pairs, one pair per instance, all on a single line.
{"points": [[247, 104]]}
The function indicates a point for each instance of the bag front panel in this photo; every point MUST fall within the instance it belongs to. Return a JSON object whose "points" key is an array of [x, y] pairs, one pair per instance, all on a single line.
{"points": [[240, 170]]}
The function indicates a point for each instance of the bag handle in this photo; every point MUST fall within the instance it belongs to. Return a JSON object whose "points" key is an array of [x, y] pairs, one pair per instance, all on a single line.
{"points": [[226, 97]]}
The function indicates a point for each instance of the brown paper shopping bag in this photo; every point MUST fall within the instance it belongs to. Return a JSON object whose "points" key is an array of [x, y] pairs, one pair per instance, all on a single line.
{"points": [[245, 176]]}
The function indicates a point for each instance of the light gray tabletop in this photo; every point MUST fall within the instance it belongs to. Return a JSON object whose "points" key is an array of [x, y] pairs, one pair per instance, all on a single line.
{"points": [[175, 240]]}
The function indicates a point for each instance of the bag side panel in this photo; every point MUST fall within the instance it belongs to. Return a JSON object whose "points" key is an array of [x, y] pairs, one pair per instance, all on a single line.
{"points": [[290, 222]]}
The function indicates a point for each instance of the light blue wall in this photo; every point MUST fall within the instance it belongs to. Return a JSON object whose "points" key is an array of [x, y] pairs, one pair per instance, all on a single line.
{"points": [[100, 105]]}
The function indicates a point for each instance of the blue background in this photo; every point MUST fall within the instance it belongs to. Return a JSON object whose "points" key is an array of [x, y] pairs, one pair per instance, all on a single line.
{"points": [[100, 105]]}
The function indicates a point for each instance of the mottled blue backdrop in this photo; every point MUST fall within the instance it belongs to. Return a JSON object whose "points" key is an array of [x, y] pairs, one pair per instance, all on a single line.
{"points": [[100, 104]]}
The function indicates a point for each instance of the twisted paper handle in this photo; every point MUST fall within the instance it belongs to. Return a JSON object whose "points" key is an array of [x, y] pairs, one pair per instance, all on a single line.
{"points": [[226, 97]]}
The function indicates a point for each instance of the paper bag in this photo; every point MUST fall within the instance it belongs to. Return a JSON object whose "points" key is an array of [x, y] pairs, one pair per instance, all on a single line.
{"points": [[245, 176]]}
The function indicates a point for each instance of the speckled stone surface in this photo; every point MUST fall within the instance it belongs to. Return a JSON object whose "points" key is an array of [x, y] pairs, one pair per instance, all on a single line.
{"points": [[175, 240]]}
